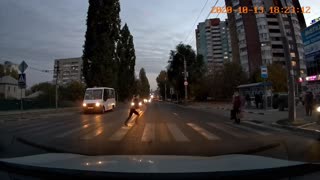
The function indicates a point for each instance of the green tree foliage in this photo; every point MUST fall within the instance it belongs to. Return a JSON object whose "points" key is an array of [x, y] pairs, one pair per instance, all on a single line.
{"points": [[195, 69], [126, 61], [1, 70], [161, 81], [73, 91], [278, 77], [48, 92], [8, 72], [102, 35], [222, 84], [143, 84]]}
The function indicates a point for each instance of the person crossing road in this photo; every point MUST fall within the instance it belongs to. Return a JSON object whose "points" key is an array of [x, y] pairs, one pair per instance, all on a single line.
{"points": [[133, 109]]}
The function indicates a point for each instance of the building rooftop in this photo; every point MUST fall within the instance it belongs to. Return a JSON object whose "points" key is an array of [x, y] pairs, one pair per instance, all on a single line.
{"points": [[8, 80]]}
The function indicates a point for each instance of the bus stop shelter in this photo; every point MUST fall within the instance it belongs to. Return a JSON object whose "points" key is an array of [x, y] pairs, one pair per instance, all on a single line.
{"points": [[257, 88]]}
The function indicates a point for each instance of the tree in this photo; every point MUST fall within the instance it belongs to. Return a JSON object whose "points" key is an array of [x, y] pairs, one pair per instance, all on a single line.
{"points": [[162, 80], [1, 70], [126, 64], [195, 69], [73, 91], [143, 84], [222, 83], [278, 77], [8, 72], [102, 35], [233, 76], [48, 92]]}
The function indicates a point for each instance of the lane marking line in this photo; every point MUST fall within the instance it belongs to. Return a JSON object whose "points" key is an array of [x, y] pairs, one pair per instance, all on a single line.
{"points": [[72, 131], [203, 132], [228, 129], [250, 129], [148, 132], [120, 133], [92, 134], [265, 126], [176, 133]]}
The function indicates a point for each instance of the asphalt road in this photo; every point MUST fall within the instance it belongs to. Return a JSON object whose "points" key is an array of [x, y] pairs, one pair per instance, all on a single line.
{"points": [[162, 129]]}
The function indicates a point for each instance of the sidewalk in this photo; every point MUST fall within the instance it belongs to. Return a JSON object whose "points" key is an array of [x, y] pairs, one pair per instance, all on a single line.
{"points": [[270, 117], [37, 111]]}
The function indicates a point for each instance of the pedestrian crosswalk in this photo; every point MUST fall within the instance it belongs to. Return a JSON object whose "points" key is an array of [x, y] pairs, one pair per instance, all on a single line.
{"points": [[163, 132]]}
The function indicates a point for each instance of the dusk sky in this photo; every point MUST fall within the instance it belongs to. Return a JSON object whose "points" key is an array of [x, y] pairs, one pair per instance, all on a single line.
{"points": [[39, 31]]}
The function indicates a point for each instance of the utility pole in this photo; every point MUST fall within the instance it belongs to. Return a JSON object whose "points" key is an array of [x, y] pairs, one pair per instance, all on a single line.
{"points": [[185, 77], [185, 80], [165, 89], [57, 75], [290, 74]]}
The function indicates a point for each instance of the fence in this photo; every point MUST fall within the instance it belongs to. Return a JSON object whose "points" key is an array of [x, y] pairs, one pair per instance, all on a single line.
{"points": [[8, 105]]}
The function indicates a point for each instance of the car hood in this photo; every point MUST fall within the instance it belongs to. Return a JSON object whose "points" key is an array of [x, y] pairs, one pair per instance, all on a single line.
{"points": [[151, 163]]}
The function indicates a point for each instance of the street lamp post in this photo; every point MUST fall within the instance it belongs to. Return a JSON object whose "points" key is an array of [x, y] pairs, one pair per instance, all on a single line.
{"points": [[165, 89], [185, 77]]}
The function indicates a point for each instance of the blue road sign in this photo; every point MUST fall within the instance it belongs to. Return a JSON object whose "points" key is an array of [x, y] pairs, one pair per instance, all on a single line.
{"points": [[264, 72], [22, 80]]}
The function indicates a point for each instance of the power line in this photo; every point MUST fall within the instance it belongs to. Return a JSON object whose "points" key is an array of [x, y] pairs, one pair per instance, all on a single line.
{"points": [[193, 37], [197, 19], [33, 68]]}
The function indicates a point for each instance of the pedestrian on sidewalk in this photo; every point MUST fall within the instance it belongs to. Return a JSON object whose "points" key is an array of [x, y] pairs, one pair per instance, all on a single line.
{"points": [[308, 103], [248, 100], [235, 112], [256, 100]]}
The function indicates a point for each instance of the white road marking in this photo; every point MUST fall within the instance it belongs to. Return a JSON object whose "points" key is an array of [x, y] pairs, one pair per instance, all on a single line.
{"points": [[228, 129], [251, 130], [265, 126], [39, 127], [177, 133], [307, 124], [72, 131], [148, 132], [92, 134], [119, 135], [203, 132]]}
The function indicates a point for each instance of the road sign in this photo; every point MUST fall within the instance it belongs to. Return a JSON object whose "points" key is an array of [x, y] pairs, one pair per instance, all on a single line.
{"points": [[22, 80], [186, 83], [23, 66], [264, 72]]}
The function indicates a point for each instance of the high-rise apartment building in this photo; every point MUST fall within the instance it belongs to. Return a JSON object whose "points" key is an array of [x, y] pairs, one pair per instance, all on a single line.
{"points": [[213, 42], [68, 70], [257, 38]]}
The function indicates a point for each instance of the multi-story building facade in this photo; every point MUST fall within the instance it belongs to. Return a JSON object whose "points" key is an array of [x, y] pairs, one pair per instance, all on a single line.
{"points": [[258, 37], [213, 42], [311, 39], [68, 70]]}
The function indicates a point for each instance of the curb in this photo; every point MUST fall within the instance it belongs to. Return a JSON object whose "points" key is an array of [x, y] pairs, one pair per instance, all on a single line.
{"points": [[41, 111], [46, 148], [57, 150], [251, 112], [296, 129]]}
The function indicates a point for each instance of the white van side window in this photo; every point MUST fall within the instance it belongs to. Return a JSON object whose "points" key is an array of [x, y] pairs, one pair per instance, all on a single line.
{"points": [[111, 93], [105, 94]]}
